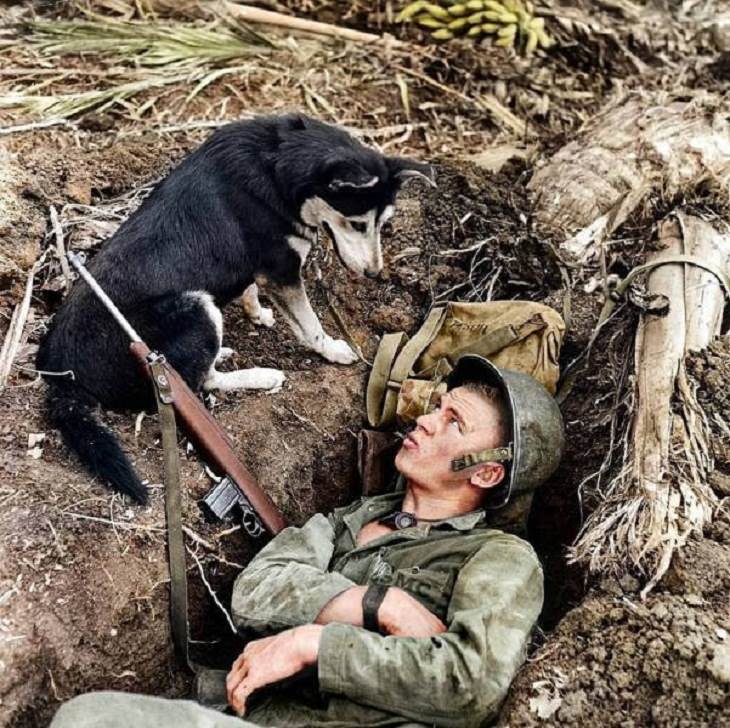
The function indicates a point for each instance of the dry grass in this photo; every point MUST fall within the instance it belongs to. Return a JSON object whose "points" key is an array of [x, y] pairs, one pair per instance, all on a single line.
{"points": [[147, 44]]}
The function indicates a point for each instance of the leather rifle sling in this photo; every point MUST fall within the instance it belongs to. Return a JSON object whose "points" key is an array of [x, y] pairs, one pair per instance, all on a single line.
{"points": [[173, 514]]}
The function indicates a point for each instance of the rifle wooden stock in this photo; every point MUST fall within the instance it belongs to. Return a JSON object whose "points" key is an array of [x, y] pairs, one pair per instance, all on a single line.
{"points": [[214, 444]]}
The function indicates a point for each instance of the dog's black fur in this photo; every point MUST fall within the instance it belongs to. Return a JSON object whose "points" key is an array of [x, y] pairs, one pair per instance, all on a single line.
{"points": [[218, 220]]}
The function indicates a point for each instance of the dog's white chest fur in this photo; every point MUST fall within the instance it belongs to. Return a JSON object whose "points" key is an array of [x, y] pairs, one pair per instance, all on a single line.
{"points": [[300, 245]]}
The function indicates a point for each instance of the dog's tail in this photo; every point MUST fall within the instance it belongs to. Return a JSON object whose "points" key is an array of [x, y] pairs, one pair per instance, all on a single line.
{"points": [[70, 409]]}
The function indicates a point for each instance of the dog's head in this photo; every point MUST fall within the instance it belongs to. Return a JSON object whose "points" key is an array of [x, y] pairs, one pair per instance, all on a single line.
{"points": [[350, 189]]}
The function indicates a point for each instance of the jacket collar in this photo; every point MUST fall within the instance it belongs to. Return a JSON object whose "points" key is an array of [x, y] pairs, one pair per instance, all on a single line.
{"points": [[381, 505]]}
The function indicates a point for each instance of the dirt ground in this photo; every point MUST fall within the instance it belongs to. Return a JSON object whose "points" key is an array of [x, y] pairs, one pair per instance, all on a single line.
{"points": [[83, 575]]}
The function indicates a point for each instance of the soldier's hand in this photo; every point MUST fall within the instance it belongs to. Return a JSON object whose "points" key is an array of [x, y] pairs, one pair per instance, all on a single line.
{"points": [[270, 660], [401, 615]]}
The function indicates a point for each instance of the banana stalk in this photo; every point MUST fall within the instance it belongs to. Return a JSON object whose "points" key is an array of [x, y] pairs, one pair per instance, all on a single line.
{"points": [[512, 23]]}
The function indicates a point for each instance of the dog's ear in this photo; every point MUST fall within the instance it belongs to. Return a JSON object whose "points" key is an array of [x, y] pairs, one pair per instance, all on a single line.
{"points": [[347, 174], [403, 169]]}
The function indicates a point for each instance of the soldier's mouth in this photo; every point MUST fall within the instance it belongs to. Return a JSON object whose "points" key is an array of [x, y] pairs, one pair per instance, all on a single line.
{"points": [[410, 443]]}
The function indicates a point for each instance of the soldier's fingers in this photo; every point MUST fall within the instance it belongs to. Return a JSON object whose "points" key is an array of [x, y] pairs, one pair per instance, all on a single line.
{"points": [[234, 679], [235, 671], [238, 662], [239, 697]]}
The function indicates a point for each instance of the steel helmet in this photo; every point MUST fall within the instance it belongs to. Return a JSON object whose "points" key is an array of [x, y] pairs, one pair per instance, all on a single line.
{"points": [[537, 436]]}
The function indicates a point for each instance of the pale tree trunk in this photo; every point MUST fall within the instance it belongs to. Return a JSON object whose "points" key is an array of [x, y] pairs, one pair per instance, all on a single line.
{"points": [[649, 147], [662, 494], [646, 144]]}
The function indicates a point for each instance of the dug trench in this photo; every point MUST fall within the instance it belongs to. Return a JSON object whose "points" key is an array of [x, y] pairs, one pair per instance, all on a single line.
{"points": [[83, 575]]}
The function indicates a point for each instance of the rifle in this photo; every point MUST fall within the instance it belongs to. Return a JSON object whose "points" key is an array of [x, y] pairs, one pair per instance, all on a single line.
{"points": [[237, 486]]}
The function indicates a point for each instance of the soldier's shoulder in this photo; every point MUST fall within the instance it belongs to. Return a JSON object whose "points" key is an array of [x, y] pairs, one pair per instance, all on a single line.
{"points": [[493, 540]]}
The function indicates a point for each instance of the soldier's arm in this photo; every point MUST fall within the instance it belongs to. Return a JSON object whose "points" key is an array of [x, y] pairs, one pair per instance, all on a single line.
{"points": [[287, 583], [456, 678]]}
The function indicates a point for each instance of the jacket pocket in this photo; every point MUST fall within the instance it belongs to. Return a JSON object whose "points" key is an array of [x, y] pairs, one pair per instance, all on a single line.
{"points": [[431, 588]]}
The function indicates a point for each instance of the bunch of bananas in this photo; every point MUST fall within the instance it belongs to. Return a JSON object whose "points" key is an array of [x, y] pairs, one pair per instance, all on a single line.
{"points": [[512, 22]]}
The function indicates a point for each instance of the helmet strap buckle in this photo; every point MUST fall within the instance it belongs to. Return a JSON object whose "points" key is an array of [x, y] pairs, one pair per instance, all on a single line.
{"points": [[492, 455]]}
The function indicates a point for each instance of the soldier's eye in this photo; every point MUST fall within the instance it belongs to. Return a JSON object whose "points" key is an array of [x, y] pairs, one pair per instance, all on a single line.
{"points": [[359, 227]]}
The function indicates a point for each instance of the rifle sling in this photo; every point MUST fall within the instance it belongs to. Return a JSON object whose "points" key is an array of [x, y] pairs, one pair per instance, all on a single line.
{"points": [[173, 512], [570, 375]]}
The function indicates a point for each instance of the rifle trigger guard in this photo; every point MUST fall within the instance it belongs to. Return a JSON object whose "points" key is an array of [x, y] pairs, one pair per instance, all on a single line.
{"points": [[250, 521]]}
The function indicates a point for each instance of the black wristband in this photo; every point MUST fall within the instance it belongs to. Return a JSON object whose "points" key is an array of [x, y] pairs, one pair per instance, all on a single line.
{"points": [[370, 604]]}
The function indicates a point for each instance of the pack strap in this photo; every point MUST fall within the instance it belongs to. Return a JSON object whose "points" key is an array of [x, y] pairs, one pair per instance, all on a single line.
{"points": [[617, 292], [391, 368], [175, 545], [498, 339]]}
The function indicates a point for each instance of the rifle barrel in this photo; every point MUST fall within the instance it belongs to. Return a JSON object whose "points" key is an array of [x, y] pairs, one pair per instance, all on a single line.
{"points": [[75, 261]]}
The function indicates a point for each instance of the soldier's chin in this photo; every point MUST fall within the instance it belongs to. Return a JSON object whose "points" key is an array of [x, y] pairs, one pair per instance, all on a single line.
{"points": [[404, 461]]}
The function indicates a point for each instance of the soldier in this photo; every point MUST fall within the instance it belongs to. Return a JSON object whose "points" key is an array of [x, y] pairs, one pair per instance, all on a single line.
{"points": [[412, 608]]}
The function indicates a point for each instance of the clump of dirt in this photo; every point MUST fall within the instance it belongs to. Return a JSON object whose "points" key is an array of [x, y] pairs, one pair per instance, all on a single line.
{"points": [[616, 661], [711, 370], [21, 228]]}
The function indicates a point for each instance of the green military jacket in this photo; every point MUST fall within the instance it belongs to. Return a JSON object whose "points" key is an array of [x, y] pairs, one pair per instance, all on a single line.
{"points": [[484, 584]]}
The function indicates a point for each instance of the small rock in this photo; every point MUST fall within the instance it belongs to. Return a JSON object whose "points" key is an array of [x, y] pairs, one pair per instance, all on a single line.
{"points": [[78, 191], [719, 667], [629, 583], [694, 600], [35, 438]]}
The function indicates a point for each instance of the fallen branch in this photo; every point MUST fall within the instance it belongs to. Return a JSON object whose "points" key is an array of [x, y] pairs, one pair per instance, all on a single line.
{"points": [[20, 128], [249, 14], [14, 333], [662, 494], [61, 249], [487, 102]]}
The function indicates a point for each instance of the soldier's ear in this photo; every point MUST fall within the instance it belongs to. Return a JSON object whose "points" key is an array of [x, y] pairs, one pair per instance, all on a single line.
{"points": [[403, 169], [489, 475]]}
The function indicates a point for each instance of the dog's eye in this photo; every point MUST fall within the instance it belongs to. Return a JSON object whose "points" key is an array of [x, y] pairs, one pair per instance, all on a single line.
{"points": [[359, 227]]}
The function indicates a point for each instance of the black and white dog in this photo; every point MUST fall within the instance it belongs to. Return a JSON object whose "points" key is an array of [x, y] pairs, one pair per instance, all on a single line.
{"points": [[241, 210]]}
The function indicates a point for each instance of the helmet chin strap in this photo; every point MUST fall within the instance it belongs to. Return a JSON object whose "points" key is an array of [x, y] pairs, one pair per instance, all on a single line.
{"points": [[493, 455]]}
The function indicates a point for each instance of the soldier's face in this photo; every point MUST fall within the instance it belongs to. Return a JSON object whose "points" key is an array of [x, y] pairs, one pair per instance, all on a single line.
{"points": [[464, 422]]}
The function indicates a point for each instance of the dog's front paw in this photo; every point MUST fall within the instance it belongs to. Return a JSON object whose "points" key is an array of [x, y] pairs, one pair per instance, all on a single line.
{"points": [[265, 317], [270, 379], [225, 352], [338, 351]]}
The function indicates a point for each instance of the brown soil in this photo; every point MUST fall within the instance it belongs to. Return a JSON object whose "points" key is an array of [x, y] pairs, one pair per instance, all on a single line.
{"points": [[83, 576]]}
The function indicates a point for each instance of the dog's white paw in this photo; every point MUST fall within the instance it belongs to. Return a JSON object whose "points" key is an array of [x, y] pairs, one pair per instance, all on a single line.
{"points": [[338, 351], [254, 378], [271, 379], [265, 317], [225, 352]]}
